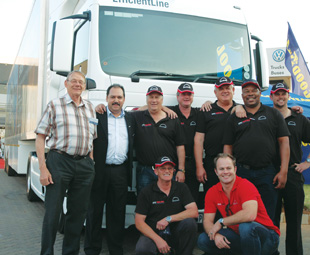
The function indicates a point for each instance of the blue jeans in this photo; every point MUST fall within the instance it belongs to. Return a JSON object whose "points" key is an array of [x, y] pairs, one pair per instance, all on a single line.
{"points": [[262, 179], [254, 239], [145, 176]]}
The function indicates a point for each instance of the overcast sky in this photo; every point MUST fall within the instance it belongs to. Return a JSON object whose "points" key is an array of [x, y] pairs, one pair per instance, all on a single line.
{"points": [[13, 20], [267, 19]]}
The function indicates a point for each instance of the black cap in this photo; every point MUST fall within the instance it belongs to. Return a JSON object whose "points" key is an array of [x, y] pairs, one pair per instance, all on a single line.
{"points": [[279, 86], [250, 82], [186, 87], [154, 88], [223, 81], [163, 160]]}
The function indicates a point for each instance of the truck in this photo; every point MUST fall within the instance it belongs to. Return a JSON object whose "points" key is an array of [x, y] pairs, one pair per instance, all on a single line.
{"points": [[135, 43]]}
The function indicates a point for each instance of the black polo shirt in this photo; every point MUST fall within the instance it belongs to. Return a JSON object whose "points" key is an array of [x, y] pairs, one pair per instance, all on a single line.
{"points": [[189, 125], [254, 138], [156, 205], [299, 127], [212, 124], [154, 140]]}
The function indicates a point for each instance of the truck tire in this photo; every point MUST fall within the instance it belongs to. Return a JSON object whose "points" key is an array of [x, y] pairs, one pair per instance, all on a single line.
{"points": [[9, 170], [6, 164], [32, 197]]}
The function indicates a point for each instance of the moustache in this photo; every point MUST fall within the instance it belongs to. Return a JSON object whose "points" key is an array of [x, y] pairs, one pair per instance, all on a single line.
{"points": [[116, 103]]}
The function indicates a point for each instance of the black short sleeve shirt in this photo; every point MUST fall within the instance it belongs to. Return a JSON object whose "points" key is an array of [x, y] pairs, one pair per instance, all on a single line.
{"points": [[156, 205], [254, 138], [189, 124], [299, 127], [212, 124], [154, 140]]}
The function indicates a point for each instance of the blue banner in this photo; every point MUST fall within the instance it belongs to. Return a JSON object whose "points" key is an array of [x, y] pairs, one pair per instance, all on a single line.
{"points": [[297, 66]]}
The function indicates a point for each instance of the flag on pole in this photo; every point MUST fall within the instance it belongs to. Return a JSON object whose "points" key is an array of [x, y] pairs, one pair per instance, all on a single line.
{"points": [[297, 66]]}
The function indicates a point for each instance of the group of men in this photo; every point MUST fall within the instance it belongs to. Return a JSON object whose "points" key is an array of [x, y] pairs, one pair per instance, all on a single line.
{"points": [[169, 152]]}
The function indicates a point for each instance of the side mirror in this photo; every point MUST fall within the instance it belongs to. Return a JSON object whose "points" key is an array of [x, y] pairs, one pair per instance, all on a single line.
{"points": [[90, 83], [261, 64], [62, 46]]}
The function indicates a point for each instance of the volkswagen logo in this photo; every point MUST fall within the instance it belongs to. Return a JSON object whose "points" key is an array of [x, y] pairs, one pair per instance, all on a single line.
{"points": [[278, 55]]}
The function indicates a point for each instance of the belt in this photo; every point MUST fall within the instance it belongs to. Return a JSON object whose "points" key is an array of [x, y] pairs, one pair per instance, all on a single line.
{"points": [[250, 167], [74, 157], [115, 165]]}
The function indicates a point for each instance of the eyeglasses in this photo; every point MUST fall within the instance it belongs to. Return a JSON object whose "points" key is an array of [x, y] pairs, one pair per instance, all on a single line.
{"points": [[80, 82], [228, 210]]}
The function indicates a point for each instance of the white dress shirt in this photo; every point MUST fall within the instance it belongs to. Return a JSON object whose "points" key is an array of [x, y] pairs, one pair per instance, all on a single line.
{"points": [[118, 139]]}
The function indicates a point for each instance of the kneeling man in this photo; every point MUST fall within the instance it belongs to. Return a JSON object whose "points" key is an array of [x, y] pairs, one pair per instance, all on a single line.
{"points": [[245, 227], [165, 214]]}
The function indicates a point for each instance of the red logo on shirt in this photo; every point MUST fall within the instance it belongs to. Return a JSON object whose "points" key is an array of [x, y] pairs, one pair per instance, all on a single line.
{"points": [[247, 120], [146, 125], [158, 202], [217, 113]]}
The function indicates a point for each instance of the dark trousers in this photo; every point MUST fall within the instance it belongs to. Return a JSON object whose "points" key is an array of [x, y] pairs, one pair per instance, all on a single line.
{"points": [[184, 237], [262, 179], [75, 178], [212, 179], [191, 178], [211, 176], [293, 197], [112, 191]]}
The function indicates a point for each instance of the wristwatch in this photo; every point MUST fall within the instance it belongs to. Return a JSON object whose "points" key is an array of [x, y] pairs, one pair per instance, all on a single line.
{"points": [[308, 160], [182, 170], [221, 221], [168, 219]]}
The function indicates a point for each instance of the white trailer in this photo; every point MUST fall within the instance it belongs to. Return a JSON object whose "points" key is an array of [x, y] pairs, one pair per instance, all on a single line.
{"points": [[136, 43]]}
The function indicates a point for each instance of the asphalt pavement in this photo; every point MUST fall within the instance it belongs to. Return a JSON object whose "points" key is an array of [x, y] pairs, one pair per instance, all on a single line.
{"points": [[21, 223]]}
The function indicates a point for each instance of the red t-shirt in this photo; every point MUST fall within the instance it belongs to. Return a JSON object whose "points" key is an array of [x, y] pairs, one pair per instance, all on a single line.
{"points": [[242, 191]]}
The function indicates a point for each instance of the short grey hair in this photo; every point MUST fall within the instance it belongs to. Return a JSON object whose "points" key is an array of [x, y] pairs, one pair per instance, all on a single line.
{"points": [[76, 71]]}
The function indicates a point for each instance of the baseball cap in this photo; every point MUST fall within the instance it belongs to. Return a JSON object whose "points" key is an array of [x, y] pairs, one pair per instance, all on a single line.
{"points": [[250, 82], [163, 160], [185, 87], [279, 86], [223, 81], [154, 88]]}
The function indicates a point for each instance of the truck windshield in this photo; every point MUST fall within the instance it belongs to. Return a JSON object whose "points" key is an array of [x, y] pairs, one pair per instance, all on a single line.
{"points": [[134, 41]]}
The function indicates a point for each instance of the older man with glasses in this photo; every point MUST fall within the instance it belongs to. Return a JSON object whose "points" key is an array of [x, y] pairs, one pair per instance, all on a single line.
{"points": [[165, 214], [68, 127]]}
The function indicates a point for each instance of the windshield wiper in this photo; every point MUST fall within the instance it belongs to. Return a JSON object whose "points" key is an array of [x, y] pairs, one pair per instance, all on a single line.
{"points": [[205, 77], [212, 77], [141, 73]]}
